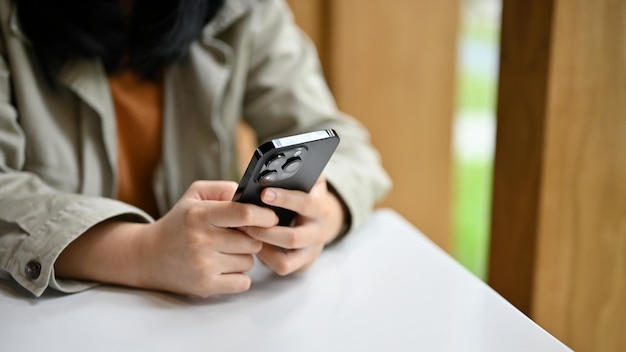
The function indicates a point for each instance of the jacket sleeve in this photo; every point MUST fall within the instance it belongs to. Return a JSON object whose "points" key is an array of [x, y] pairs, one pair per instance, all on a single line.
{"points": [[287, 93], [37, 221]]}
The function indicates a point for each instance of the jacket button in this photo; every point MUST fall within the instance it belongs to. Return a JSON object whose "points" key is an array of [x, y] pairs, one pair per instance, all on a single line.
{"points": [[32, 270]]}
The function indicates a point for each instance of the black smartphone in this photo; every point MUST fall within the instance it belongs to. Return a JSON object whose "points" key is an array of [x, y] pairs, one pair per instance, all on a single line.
{"points": [[293, 162]]}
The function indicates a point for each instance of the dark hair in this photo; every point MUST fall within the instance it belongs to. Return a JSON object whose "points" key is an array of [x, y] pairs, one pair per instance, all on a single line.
{"points": [[156, 34]]}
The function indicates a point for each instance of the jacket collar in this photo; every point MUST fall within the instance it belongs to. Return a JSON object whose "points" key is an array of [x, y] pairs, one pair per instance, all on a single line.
{"points": [[229, 13], [14, 26]]}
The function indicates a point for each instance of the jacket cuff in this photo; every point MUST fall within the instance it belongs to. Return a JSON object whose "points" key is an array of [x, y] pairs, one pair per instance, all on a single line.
{"points": [[32, 264]]}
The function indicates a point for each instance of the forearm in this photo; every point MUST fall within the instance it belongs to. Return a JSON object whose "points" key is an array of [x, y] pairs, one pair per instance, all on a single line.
{"points": [[110, 252]]}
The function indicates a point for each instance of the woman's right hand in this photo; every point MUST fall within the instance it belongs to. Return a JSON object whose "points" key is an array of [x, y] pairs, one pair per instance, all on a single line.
{"points": [[195, 249]]}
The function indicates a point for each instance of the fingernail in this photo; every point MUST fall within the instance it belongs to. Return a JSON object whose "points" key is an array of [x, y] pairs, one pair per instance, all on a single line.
{"points": [[269, 195]]}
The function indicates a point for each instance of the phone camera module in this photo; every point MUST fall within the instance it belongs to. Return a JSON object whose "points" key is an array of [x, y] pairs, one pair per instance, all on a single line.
{"points": [[281, 166]]}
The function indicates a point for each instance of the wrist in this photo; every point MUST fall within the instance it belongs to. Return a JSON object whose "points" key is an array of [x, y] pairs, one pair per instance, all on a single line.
{"points": [[134, 254]]}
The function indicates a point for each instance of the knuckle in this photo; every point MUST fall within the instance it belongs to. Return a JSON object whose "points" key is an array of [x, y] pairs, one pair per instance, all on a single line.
{"points": [[253, 232], [197, 263], [292, 239], [312, 207], [195, 242], [245, 213], [247, 263], [255, 246], [198, 270], [193, 215], [202, 284], [282, 268]]}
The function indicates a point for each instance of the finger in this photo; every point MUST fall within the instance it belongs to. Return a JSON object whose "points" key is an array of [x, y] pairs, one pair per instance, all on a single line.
{"points": [[282, 262], [285, 262], [234, 263], [232, 214], [300, 202], [212, 190], [282, 236], [231, 283], [232, 241]]}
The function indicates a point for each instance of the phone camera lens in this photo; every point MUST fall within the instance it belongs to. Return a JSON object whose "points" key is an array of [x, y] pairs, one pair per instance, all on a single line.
{"points": [[276, 162], [299, 151], [292, 165], [268, 177]]}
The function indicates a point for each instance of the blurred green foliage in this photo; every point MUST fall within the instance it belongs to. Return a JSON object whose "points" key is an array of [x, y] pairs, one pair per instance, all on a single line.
{"points": [[471, 208], [475, 93], [476, 99]]}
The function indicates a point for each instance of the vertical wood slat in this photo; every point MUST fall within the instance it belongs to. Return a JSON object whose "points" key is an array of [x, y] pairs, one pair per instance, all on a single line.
{"points": [[312, 17], [559, 211], [522, 98], [580, 286], [392, 65]]}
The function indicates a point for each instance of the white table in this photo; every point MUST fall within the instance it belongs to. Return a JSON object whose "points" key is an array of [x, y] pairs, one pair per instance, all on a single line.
{"points": [[384, 288]]}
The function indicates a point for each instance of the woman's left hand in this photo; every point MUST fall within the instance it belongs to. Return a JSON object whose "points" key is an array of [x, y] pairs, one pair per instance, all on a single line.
{"points": [[321, 217]]}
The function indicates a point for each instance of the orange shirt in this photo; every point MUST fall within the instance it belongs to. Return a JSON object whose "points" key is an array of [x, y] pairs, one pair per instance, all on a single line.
{"points": [[138, 109]]}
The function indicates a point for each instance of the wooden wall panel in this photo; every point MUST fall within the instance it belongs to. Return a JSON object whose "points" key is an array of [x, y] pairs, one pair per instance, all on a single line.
{"points": [[580, 288], [559, 212], [522, 99], [312, 17], [392, 65]]}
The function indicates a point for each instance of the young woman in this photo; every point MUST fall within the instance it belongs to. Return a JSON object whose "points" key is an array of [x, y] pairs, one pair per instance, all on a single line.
{"points": [[118, 153]]}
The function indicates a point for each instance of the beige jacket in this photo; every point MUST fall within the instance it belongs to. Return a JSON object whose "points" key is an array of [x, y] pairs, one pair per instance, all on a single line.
{"points": [[58, 148]]}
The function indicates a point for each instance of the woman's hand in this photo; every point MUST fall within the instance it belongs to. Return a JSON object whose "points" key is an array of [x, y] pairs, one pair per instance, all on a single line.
{"points": [[321, 216], [199, 250], [194, 249]]}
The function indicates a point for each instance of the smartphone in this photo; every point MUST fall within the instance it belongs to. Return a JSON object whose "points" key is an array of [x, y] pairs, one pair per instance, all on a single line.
{"points": [[293, 162]]}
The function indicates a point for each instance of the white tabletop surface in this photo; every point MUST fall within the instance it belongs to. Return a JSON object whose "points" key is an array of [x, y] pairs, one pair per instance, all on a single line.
{"points": [[384, 288]]}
